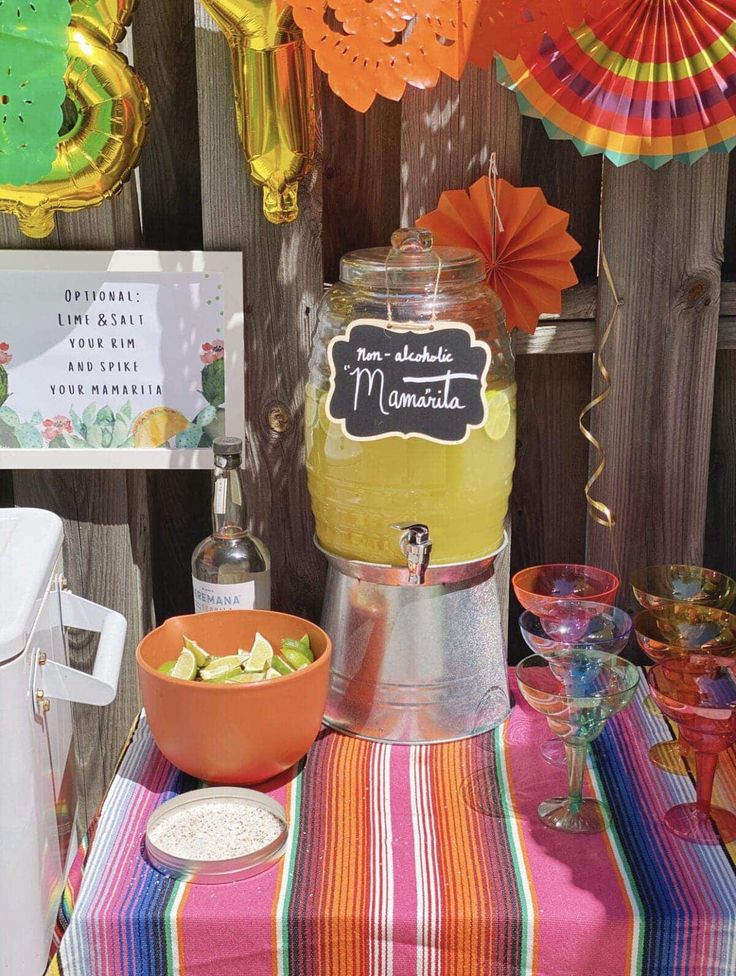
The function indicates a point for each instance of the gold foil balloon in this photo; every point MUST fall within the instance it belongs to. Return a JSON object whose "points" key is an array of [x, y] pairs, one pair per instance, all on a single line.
{"points": [[104, 118], [274, 97], [106, 18]]}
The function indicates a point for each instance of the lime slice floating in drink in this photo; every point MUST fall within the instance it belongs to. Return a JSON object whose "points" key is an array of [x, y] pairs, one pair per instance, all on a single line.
{"points": [[261, 655], [221, 667], [200, 656], [273, 673], [185, 667], [499, 414], [167, 667]]}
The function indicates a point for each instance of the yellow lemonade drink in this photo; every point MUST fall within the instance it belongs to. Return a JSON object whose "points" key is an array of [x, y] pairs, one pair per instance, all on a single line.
{"points": [[461, 491]]}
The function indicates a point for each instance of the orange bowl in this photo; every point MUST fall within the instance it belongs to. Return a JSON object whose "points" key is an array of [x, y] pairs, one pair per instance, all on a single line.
{"points": [[239, 733]]}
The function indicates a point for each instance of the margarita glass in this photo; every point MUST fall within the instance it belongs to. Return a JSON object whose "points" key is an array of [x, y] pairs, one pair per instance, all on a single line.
{"points": [[607, 631], [700, 696], [675, 630], [655, 586], [558, 594], [577, 709]]}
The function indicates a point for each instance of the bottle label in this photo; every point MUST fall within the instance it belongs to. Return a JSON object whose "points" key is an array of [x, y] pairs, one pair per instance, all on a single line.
{"points": [[220, 495], [223, 596]]}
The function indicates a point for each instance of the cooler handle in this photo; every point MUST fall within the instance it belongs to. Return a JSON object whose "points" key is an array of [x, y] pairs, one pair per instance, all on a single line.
{"points": [[99, 688]]}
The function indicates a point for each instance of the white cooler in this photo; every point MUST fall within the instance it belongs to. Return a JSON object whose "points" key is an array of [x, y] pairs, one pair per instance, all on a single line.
{"points": [[37, 797]]}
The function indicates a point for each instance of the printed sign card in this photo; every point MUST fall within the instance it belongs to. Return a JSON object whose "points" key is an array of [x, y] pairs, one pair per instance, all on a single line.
{"points": [[408, 381], [118, 359]]}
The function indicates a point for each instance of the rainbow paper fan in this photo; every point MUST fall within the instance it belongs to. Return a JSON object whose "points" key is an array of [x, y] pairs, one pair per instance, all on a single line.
{"points": [[642, 79], [528, 265]]}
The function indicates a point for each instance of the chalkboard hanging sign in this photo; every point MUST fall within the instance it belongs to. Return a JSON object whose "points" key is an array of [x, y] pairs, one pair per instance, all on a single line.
{"points": [[389, 380]]}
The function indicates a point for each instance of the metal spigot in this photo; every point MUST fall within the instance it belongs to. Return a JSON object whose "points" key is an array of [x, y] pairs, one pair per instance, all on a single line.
{"points": [[416, 546]]}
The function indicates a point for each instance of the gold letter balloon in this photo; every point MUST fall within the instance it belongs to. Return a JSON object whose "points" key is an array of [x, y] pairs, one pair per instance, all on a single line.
{"points": [[73, 113], [274, 97]]}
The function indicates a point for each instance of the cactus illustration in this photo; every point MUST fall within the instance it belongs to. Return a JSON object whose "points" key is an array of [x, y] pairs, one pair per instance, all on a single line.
{"points": [[213, 372], [197, 433], [97, 428], [15, 432], [5, 358]]}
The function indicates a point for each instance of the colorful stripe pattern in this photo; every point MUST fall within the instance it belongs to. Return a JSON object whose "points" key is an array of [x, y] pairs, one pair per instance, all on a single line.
{"points": [[641, 80], [424, 861]]}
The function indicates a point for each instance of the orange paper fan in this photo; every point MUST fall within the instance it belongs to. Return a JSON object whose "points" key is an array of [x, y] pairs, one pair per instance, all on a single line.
{"points": [[378, 47], [533, 251]]}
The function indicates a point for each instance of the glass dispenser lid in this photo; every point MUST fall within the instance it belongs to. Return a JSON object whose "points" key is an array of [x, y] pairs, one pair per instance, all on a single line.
{"points": [[411, 264]]}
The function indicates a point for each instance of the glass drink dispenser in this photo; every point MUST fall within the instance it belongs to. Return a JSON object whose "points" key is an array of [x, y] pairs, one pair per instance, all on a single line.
{"points": [[410, 422]]}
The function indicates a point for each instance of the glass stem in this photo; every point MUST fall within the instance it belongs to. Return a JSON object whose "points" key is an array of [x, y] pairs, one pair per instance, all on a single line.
{"points": [[576, 753], [705, 770]]}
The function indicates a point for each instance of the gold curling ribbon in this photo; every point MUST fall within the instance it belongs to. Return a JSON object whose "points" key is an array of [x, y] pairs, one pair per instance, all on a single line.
{"points": [[599, 512]]}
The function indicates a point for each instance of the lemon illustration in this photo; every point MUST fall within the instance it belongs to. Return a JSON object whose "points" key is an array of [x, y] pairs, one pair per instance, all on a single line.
{"points": [[499, 414], [156, 426]]}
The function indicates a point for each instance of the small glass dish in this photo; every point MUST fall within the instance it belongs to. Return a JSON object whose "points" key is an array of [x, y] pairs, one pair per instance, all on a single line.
{"points": [[216, 871]]}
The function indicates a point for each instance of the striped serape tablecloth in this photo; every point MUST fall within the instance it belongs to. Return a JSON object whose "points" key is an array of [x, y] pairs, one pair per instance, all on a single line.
{"points": [[422, 860]]}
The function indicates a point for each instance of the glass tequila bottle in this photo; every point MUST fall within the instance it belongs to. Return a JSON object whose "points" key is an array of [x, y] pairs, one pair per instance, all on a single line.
{"points": [[231, 569]]}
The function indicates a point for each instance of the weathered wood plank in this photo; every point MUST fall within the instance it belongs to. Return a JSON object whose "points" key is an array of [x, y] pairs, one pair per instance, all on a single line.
{"points": [[548, 505], [282, 286], [729, 251], [720, 533], [169, 170], [105, 516], [663, 234], [361, 172], [179, 501], [448, 135]]}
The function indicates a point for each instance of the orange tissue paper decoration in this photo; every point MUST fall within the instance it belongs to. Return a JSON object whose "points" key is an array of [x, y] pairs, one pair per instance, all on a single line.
{"points": [[508, 27], [370, 47], [527, 258], [378, 47]]}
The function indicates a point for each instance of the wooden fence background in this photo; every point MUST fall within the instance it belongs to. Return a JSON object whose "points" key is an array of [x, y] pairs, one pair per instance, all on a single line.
{"points": [[669, 426]]}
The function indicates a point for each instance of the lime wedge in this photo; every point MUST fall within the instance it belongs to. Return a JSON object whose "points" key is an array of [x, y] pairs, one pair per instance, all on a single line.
{"points": [[280, 665], [185, 667], [273, 673], [296, 658], [261, 655], [167, 667], [499, 414], [246, 678], [200, 656], [303, 646], [220, 667]]}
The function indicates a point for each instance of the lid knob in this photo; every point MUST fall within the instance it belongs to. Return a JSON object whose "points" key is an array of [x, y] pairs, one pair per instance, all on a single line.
{"points": [[411, 240], [416, 545]]}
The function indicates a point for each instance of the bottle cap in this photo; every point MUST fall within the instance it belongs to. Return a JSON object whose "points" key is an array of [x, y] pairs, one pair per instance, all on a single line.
{"points": [[227, 446]]}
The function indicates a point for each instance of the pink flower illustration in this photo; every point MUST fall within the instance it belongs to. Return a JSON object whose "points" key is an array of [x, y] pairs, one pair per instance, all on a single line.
{"points": [[5, 356], [55, 427], [212, 351]]}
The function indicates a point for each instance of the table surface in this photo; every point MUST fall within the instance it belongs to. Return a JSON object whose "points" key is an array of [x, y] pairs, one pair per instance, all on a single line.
{"points": [[421, 860]]}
